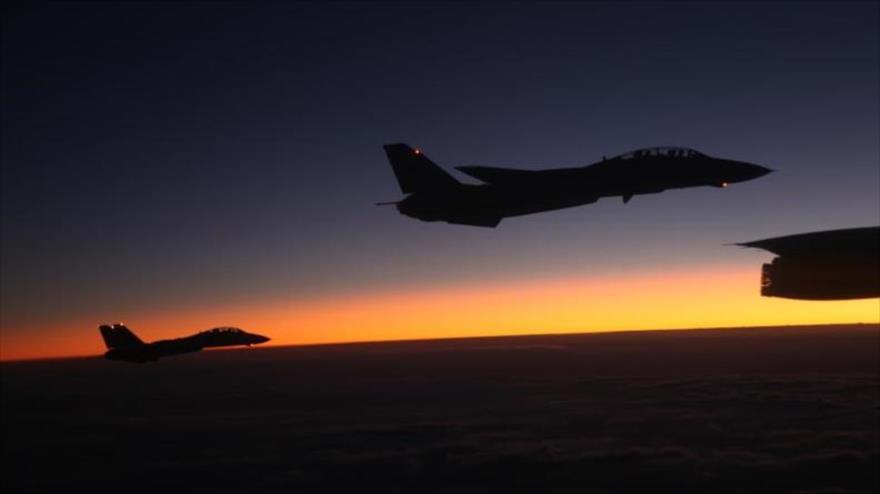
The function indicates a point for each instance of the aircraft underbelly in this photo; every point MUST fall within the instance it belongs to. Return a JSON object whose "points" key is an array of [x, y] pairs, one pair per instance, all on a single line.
{"points": [[519, 206], [175, 347]]}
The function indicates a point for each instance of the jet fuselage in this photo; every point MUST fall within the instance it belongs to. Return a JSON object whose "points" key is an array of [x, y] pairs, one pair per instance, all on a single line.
{"points": [[122, 344], [436, 196]]}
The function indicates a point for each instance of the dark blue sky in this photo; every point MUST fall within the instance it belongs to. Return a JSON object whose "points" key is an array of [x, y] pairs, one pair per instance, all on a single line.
{"points": [[155, 156]]}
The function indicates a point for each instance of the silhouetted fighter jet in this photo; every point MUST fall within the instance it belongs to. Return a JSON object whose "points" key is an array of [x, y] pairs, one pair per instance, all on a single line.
{"points": [[122, 344], [827, 265], [437, 196]]}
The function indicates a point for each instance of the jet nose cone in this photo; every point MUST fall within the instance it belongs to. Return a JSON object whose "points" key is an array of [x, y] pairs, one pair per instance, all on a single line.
{"points": [[263, 339], [742, 171], [760, 171]]}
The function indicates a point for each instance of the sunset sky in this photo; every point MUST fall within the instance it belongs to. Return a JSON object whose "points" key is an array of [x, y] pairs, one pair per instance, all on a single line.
{"points": [[182, 167]]}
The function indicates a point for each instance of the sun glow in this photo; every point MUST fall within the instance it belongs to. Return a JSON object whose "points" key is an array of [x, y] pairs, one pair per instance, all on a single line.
{"points": [[710, 297]]}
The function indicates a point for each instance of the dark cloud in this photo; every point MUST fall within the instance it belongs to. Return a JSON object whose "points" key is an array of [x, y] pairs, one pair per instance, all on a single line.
{"points": [[432, 418]]}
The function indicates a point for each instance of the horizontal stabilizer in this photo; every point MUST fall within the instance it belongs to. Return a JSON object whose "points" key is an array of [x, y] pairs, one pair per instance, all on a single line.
{"points": [[499, 176]]}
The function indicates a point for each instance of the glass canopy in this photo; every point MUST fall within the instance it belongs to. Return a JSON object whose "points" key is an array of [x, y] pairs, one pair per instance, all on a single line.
{"points": [[225, 329], [664, 151]]}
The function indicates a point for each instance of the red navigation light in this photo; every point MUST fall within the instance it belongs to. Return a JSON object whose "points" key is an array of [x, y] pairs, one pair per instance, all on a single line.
{"points": [[724, 184], [417, 151]]}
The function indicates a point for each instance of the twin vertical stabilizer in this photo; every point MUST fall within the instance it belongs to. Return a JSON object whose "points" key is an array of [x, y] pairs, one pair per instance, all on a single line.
{"points": [[415, 172], [119, 336]]}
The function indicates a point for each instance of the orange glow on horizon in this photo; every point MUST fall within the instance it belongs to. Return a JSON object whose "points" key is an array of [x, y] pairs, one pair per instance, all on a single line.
{"points": [[710, 297]]}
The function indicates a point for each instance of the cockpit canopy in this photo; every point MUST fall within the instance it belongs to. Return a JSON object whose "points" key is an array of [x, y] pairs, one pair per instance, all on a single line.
{"points": [[223, 330], [663, 151]]}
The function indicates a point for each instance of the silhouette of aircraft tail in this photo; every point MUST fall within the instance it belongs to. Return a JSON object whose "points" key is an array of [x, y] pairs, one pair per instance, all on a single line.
{"points": [[415, 172], [119, 336]]}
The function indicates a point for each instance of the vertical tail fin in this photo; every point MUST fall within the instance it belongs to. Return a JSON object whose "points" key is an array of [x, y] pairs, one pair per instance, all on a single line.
{"points": [[119, 336], [415, 172]]}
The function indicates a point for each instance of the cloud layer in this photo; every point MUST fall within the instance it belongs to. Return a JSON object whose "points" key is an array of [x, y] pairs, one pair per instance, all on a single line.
{"points": [[683, 412]]}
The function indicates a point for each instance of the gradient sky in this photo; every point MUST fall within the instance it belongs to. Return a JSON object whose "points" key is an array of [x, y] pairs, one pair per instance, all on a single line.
{"points": [[181, 167]]}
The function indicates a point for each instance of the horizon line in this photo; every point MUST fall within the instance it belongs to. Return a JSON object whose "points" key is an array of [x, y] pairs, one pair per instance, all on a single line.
{"points": [[475, 337]]}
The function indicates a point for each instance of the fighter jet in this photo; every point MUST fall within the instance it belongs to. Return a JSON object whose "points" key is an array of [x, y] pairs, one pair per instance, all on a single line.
{"points": [[826, 265], [123, 344], [435, 195]]}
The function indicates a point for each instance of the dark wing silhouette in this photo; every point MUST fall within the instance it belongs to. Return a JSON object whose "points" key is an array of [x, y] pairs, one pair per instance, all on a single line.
{"points": [[841, 243]]}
